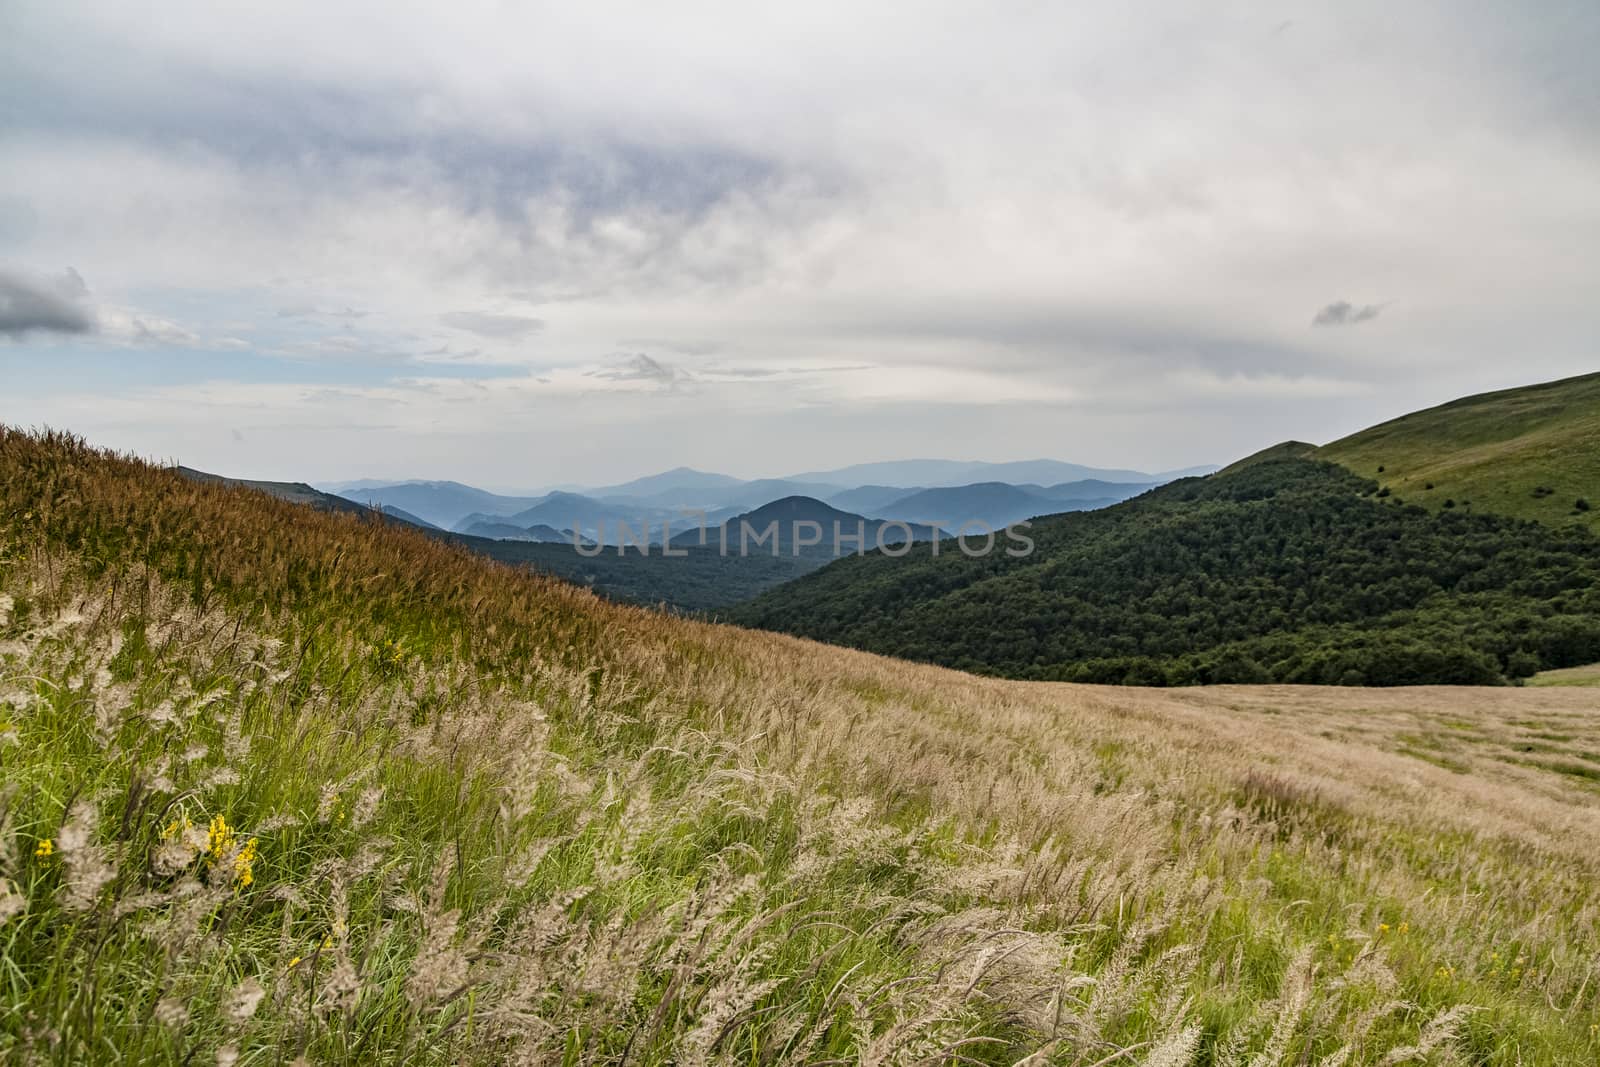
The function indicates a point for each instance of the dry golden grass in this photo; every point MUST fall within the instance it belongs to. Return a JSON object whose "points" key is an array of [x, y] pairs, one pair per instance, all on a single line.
{"points": [[599, 833]]}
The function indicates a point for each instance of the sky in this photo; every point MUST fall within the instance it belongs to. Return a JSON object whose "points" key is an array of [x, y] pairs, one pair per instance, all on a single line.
{"points": [[519, 244]]}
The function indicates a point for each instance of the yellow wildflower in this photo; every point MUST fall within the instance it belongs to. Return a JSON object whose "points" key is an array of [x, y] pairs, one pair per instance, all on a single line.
{"points": [[221, 836], [243, 864], [294, 963], [222, 845], [1383, 928], [45, 847]]}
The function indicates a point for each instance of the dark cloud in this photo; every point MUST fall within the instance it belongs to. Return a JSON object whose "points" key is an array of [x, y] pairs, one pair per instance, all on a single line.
{"points": [[642, 368], [1344, 313], [44, 305], [487, 324]]}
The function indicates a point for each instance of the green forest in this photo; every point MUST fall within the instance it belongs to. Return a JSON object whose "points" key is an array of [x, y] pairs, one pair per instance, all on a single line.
{"points": [[1286, 570], [699, 580]]}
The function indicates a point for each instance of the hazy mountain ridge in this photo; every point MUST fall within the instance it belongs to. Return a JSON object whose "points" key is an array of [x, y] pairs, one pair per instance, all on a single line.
{"points": [[455, 505]]}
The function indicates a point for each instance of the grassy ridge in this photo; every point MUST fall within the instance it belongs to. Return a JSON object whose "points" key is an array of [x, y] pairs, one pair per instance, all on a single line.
{"points": [[280, 783], [1531, 452]]}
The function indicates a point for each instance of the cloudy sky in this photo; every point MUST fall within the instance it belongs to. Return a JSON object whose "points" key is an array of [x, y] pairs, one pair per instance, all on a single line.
{"points": [[520, 244]]}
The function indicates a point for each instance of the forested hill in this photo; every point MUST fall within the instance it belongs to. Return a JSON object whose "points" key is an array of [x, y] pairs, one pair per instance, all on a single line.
{"points": [[1287, 570]]}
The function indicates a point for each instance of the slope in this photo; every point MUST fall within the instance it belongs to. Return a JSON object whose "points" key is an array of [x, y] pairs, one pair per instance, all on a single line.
{"points": [[284, 782], [1532, 452], [301, 493]]}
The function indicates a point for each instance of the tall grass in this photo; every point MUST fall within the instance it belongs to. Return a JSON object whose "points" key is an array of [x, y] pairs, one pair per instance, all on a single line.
{"points": [[283, 786]]}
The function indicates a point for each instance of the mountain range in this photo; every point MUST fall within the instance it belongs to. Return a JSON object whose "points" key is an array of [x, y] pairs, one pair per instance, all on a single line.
{"points": [[995, 495]]}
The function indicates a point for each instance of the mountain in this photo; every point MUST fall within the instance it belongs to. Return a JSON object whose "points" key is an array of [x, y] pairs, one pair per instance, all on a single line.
{"points": [[677, 480], [1532, 452], [992, 504], [406, 516], [499, 531], [939, 473], [548, 534], [1286, 570], [784, 527], [282, 777], [1097, 491], [577, 511], [507, 531], [1283, 450], [441, 503], [867, 499], [741, 496], [1186, 472]]}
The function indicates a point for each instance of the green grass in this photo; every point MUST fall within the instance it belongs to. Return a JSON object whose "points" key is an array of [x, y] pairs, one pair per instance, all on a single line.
{"points": [[1572, 676], [1531, 453]]}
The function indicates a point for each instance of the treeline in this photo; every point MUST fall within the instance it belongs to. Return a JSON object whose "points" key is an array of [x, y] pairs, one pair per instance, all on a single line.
{"points": [[1285, 571]]}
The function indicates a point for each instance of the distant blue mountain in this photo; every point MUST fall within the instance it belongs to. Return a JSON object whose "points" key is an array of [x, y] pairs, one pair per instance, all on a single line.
{"points": [[679, 479], [942, 473], [442, 504]]}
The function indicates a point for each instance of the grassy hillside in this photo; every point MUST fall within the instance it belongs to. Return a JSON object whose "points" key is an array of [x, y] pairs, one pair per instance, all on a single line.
{"points": [[1283, 570], [284, 785], [1532, 453]]}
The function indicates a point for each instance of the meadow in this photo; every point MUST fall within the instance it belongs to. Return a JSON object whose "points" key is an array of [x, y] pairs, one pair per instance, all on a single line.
{"points": [[281, 786]]}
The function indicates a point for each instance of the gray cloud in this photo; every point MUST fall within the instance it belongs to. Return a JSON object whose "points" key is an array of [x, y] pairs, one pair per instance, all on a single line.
{"points": [[1344, 313], [45, 305], [497, 327], [639, 367]]}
